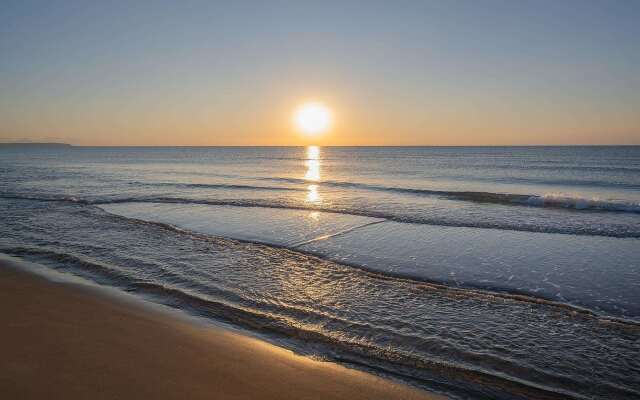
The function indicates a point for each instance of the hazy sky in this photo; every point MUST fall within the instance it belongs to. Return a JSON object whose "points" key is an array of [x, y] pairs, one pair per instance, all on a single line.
{"points": [[393, 72]]}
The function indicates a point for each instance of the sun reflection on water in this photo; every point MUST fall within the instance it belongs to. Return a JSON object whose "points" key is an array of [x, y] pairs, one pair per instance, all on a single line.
{"points": [[313, 173], [313, 164], [312, 195]]}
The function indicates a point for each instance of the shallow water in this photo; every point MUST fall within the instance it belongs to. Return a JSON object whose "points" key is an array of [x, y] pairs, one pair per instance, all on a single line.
{"points": [[478, 272]]}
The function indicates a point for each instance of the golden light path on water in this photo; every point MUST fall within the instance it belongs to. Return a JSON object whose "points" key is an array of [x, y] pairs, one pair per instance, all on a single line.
{"points": [[312, 174]]}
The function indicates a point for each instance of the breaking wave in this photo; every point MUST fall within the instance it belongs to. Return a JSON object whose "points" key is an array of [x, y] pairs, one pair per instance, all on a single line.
{"points": [[545, 200], [399, 216]]}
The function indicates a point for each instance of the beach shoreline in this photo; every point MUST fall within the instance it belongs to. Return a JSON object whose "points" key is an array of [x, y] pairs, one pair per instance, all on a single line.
{"points": [[63, 340]]}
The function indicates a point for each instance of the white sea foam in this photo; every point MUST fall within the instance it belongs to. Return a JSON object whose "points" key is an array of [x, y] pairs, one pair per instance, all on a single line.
{"points": [[582, 203]]}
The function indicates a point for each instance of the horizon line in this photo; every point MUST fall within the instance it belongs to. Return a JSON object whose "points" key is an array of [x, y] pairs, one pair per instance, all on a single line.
{"points": [[307, 145]]}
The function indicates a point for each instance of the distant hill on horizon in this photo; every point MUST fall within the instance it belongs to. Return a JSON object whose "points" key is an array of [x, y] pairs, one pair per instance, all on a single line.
{"points": [[34, 144]]}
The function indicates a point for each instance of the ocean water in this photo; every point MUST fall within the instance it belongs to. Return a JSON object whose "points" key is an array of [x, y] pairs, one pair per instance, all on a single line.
{"points": [[481, 272]]}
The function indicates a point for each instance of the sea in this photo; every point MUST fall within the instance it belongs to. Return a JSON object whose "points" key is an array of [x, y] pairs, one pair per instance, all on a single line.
{"points": [[476, 272]]}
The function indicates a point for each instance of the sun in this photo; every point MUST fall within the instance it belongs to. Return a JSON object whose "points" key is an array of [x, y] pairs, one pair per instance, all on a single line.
{"points": [[312, 118]]}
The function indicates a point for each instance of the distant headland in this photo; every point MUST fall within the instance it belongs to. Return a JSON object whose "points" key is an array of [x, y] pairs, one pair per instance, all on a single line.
{"points": [[34, 145]]}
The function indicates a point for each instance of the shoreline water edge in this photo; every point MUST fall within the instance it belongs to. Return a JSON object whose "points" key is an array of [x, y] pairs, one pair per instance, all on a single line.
{"points": [[65, 339]]}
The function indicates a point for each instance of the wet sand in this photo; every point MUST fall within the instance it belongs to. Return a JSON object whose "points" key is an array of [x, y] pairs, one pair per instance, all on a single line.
{"points": [[69, 341]]}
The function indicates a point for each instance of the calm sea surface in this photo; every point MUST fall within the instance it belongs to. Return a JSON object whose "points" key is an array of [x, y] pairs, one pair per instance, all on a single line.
{"points": [[484, 272]]}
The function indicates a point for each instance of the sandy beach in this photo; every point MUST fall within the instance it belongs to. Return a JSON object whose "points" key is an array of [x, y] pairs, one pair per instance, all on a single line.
{"points": [[67, 341]]}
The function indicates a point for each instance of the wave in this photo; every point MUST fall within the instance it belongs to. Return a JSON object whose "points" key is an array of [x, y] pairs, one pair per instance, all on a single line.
{"points": [[62, 260], [423, 283], [312, 340], [546, 200], [117, 275], [539, 201], [216, 186], [552, 200], [549, 165]]}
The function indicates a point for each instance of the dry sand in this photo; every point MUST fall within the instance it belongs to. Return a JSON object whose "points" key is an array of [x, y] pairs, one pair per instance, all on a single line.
{"points": [[66, 341]]}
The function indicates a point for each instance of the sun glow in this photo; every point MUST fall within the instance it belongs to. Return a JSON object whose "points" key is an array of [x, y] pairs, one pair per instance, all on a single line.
{"points": [[312, 118]]}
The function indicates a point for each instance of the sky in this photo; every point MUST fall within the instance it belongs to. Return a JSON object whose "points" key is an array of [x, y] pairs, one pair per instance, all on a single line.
{"points": [[392, 72]]}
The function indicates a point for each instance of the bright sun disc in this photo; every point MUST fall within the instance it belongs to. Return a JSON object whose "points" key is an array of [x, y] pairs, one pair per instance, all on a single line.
{"points": [[312, 118]]}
